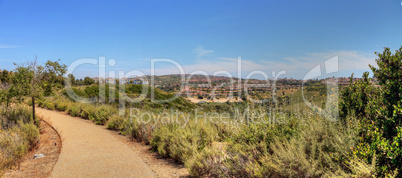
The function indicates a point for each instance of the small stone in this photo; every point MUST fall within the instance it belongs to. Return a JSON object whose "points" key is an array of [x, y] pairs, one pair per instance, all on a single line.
{"points": [[36, 156]]}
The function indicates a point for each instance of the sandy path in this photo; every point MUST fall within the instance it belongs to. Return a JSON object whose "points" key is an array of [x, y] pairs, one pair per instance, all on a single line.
{"points": [[91, 151]]}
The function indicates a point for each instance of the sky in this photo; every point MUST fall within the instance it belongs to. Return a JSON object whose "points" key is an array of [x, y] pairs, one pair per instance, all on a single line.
{"points": [[208, 36]]}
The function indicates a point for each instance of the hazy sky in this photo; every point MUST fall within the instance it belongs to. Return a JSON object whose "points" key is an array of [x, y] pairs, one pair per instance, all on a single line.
{"points": [[269, 36]]}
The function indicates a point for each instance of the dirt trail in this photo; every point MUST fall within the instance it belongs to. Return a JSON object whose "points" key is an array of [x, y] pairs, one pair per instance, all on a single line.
{"points": [[91, 151]]}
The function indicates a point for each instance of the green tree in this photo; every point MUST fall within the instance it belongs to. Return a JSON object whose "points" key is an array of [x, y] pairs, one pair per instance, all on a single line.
{"points": [[88, 81], [389, 76], [380, 112], [53, 76], [71, 78], [32, 80], [5, 76]]}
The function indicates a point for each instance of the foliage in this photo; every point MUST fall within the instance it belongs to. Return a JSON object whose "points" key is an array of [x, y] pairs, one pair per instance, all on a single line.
{"points": [[380, 111], [101, 115], [355, 98], [88, 81], [18, 134]]}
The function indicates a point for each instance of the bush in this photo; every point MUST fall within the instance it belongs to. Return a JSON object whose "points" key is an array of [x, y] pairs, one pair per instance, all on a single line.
{"points": [[321, 149], [116, 122], [50, 106], [182, 143], [18, 134], [74, 110], [102, 114], [30, 133], [208, 163], [87, 111], [12, 115], [61, 106]]}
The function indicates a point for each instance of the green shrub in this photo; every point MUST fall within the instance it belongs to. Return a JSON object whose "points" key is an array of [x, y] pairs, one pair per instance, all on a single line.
{"points": [[208, 163], [50, 106], [116, 122], [61, 106], [102, 114], [181, 143], [13, 115], [321, 149], [87, 111], [74, 110], [30, 133]]}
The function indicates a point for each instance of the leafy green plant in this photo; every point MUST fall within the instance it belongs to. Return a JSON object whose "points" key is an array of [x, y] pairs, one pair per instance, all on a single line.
{"points": [[380, 112]]}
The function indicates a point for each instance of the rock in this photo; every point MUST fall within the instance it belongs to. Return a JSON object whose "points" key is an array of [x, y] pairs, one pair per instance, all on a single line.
{"points": [[36, 156]]}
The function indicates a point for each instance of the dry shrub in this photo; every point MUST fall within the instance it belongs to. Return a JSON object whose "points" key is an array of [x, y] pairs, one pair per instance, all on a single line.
{"points": [[18, 134]]}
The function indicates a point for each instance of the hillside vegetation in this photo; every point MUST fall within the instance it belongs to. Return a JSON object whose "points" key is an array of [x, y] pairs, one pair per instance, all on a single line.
{"points": [[278, 138]]}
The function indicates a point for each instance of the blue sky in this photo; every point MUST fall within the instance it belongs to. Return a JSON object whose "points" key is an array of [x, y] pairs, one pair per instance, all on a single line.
{"points": [[207, 35]]}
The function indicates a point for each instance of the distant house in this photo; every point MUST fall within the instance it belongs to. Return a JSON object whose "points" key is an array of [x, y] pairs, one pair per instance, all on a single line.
{"points": [[110, 80], [136, 80], [100, 80], [123, 80]]}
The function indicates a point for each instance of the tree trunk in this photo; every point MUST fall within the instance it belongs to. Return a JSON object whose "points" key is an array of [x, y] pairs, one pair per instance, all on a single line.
{"points": [[33, 108]]}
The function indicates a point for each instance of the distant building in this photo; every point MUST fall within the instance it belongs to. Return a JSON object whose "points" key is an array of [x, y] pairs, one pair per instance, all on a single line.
{"points": [[123, 80], [110, 80], [100, 80]]}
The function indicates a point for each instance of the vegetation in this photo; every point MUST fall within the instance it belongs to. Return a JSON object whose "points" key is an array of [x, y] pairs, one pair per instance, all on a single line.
{"points": [[19, 126], [18, 134], [278, 138], [380, 112]]}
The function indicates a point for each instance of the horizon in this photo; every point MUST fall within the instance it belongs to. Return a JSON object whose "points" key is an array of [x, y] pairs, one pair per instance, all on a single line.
{"points": [[208, 36]]}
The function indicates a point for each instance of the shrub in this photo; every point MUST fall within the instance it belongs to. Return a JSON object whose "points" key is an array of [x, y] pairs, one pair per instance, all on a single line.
{"points": [[102, 114], [321, 149], [12, 115], [116, 122], [30, 133], [87, 111], [18, 134], [61, 106], [208, 163], [74, 110], [182, 143], [50, 106]]}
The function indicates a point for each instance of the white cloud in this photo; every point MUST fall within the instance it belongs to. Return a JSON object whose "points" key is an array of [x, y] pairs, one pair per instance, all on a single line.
{"points": [[3, 46], [295, 67], [200, 51]]}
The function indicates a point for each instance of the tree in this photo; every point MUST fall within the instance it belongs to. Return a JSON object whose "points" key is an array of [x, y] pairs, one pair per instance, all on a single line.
{"points": [[31, 79], [379, 110], [71, 78], [389, 76], [5, 77], [53, 76], [88, 81]]}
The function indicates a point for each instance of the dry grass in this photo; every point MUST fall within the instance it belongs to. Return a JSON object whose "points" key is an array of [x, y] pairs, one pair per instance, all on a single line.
{"points": [[18, 134]]}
